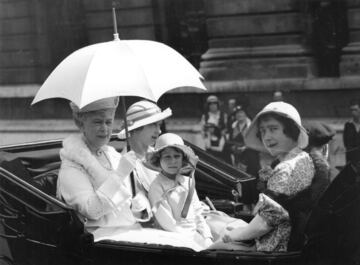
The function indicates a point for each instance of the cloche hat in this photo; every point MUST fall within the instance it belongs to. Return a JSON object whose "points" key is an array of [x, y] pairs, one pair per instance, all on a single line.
{"points": [[106, 103], [170, 140], [142, 113], [212, 99], [281, 108], [319, 133]]}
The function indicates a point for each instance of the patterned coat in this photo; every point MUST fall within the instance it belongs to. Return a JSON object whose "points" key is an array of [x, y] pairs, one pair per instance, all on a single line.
{"points": [[292, 175]]}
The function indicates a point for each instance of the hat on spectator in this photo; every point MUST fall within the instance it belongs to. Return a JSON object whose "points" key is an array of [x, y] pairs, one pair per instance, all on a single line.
{"points": [[281, 108], [239, 108], [142, 113], [170, 140], [106, 103], [319, 133], [212, 99]]}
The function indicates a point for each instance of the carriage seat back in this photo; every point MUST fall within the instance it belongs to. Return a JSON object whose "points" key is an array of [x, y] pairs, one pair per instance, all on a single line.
{"points": [[334, 221], [46, 181]]}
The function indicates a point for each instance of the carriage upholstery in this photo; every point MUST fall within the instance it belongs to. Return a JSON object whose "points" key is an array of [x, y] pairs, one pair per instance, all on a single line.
{"points": [[45, 181]]}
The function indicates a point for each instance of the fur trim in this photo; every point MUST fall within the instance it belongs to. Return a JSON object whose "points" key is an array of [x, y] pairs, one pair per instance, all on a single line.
{"points": [[75, 149]]}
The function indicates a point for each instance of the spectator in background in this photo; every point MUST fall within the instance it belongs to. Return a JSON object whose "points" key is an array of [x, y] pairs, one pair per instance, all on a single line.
{"points": [[230, 118], [236, 134], [213, 114], [320, 134], [214, 140], [278, 96], [351, 134], [230, 113]]}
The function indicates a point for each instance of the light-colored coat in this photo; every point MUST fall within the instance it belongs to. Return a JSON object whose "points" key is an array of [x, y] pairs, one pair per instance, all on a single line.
{"points": [[167, 197], [90, 184]]}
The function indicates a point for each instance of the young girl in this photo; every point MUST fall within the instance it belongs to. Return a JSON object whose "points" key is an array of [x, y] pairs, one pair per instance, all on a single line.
{"points": [[277, 130], [172, 194]]}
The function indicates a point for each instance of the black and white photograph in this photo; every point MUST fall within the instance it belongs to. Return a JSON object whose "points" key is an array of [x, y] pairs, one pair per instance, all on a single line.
{"points": [[156, 132]]}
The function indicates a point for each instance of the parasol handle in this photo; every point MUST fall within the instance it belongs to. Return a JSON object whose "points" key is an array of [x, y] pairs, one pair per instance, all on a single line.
{"points": [[128, 148], [116, 35]]}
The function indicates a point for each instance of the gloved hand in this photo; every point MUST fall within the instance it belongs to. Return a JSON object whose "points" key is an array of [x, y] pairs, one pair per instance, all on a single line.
{"points": [[226, 238], [187, 170], [139, 204], [265, 173], [208, 242], [127, 164]]}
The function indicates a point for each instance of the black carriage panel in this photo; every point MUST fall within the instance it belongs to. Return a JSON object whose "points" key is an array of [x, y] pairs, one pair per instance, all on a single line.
{"points": [[333, 227], [38, 227]]}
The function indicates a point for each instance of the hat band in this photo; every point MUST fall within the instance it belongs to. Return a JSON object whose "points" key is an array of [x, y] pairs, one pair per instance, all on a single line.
{"points": [[142, 114]]}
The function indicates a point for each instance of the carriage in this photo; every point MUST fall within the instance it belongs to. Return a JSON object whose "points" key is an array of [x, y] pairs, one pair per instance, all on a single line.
{"points": [[40, 229]]}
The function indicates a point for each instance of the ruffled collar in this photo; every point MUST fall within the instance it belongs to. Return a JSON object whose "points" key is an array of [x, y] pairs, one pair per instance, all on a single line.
{"points": [[76, 149]]}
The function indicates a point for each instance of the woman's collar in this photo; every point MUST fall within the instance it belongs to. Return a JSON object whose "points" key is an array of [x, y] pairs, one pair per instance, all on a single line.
{"points": [[292, 153], [96, 152]]}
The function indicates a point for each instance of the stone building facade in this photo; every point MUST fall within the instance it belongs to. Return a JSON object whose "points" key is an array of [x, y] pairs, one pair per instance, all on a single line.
{"points": [[308, 49]]}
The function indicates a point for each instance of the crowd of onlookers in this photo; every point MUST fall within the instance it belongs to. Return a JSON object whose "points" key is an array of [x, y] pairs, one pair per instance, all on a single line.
{"points": [[223, 131]]}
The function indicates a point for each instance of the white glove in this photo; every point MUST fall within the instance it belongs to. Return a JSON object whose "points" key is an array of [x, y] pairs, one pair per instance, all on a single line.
{"points": [[208, 242], [127, 164], [139, 204]]}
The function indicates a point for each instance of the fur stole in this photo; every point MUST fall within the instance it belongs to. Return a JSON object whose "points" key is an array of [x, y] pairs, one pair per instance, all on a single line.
{"points": [[76, 150]]}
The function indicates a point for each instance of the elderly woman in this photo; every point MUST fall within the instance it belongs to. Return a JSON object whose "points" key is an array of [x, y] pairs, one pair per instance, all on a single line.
{"points": [[276, 129], [93, 177]]}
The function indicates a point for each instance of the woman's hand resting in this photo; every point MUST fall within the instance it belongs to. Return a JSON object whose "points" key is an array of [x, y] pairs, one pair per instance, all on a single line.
{"points": [[127, 164]]}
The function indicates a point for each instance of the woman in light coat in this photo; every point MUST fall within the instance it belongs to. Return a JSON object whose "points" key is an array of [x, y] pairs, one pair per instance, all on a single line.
{"points": [[94, 177]]}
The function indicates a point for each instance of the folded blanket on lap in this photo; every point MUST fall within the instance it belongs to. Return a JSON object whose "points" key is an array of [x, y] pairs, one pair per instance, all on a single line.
{"points": [[149, 236]]}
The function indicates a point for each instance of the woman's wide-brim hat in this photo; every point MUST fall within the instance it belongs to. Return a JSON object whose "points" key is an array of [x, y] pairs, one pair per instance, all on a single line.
{"points": [[143, 113], [170, 140], [281, 108]]}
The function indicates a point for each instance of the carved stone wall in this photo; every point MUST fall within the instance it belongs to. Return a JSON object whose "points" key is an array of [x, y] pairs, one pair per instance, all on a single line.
{"points": [[255, 39], [350, 59]]}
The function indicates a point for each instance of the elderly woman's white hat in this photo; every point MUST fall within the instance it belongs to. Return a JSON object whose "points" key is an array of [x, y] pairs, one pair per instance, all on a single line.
{"points": [[170, 140], [106, 103], [143, 113], [281, 108]]}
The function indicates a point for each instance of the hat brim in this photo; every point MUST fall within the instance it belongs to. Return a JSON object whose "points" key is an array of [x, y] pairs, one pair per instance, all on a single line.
{"points": [[153, 157], [253, 141], [149, 120]]}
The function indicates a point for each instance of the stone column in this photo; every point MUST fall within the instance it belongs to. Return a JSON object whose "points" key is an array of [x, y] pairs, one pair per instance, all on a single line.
{"points": [[255, 39], [350, 59]]}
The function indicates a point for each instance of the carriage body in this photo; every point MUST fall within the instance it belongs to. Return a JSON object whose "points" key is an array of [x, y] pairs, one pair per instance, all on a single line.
{"points": [[40, 229]]}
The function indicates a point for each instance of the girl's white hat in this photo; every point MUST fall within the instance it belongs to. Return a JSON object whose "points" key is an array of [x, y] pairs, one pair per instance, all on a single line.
{"points": [[170, 140], [281, 108], [142, 113]]}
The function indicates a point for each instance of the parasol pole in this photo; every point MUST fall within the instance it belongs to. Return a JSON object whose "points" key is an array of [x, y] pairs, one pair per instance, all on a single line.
{"points": [[116, 34], [128, 148], [122, 98]]}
